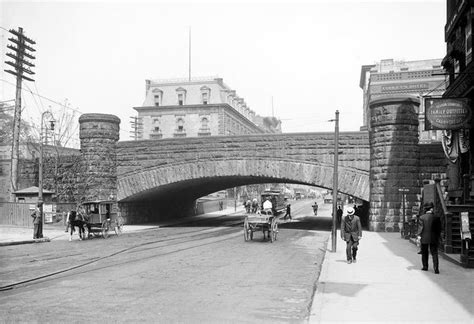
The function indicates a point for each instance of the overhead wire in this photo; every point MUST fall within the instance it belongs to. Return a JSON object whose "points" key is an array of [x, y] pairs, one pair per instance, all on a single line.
{"points": [[44, 97]]}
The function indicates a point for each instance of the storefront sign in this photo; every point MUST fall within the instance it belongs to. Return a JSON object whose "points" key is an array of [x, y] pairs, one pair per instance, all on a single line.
{"points": [[447, 113], [405, 87]]}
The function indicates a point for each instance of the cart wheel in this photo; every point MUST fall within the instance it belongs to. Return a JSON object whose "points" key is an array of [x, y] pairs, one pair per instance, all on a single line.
{"points": [[105, 229], [274, 230], [246, 229], [118, 225], [251, 235]]}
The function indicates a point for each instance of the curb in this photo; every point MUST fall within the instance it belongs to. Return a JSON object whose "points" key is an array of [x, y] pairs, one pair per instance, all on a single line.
{"points": [[41, 240]]}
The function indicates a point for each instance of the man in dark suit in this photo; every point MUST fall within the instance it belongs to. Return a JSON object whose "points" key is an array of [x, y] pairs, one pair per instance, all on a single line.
{"points": [[429, 230], [351, 232]]}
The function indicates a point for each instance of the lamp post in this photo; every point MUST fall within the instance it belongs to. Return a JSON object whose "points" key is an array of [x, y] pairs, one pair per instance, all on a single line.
{"points": [[335, 182], [40, 171], [404, 220]]}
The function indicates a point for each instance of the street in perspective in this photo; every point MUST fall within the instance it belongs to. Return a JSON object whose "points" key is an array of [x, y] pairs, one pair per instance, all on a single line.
{"points": [[193, 271], [237, 162]]}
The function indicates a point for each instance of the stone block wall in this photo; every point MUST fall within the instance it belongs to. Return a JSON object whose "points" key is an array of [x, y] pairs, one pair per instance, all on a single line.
{"points": [[317, 148], [394, 161], [99, 134]]}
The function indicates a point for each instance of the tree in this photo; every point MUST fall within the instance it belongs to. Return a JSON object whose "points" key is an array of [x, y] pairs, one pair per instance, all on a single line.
{"points": [[6, 126]]}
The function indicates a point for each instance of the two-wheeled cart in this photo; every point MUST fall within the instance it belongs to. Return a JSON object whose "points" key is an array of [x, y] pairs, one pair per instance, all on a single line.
{"points": [[101, 218], [265, 221]]}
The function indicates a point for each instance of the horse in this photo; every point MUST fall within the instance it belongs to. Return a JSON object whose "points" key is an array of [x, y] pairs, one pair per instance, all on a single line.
{"points": [[76, 219]]}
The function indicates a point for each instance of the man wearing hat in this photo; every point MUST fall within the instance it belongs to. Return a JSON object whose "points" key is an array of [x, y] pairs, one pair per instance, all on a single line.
{"points": [[429, 230], [351, 232]]}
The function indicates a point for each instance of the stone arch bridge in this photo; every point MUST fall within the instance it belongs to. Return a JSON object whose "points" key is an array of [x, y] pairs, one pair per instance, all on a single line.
{"points": [[147, 175]]}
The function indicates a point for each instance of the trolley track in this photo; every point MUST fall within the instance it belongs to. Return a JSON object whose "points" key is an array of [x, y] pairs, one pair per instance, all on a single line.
{"points": [[215, 235]]}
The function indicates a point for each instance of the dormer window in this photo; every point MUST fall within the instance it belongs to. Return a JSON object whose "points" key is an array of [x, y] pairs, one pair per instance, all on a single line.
{"points": [[157, 96], [181, 93], [205, 94]]}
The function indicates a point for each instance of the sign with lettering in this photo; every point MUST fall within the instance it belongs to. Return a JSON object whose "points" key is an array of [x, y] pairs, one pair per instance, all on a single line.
{"points": [[405, 87], [451, 114]]}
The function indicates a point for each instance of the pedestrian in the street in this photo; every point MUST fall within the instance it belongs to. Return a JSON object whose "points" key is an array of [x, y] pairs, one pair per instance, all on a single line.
{"points": [[36, 214], [288, 212], [351, 232], [429, 230]]}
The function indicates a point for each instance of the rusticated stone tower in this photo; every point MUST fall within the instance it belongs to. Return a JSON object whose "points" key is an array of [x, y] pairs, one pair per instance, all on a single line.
{"points": [[99, 134], [394, 161]]}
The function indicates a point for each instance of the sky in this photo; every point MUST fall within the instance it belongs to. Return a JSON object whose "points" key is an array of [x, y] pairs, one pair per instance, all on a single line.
{"points": [[299, 61]]}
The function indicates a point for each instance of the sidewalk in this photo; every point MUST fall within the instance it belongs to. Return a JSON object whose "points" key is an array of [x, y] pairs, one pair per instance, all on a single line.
{"points": [[387, 285], [13, 235]]}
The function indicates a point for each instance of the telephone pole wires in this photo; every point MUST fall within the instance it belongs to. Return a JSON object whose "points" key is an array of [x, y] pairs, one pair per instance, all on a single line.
{"points": [[21, 66]]}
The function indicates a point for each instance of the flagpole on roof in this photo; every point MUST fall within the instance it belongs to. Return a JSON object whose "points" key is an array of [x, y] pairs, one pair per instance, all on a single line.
{"points": [[189, 75]]}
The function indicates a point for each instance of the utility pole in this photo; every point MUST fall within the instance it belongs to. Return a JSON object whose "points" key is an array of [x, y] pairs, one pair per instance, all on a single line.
{"points": [[335, 182], [20, 66], [136, 123]]}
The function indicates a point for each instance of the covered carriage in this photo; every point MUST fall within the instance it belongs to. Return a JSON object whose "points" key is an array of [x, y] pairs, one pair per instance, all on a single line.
{"points": [[101, 218]]}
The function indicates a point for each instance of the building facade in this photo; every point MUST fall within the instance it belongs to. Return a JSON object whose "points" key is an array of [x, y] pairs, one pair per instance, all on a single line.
{"points": [[397, 78], [200, 107], [459, 67]]}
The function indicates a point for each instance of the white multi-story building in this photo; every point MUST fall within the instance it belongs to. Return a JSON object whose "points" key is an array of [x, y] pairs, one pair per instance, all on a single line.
{"points": [[416, 78], [199, 107]]}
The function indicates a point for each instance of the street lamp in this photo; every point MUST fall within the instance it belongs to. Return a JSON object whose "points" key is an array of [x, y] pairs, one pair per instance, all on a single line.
{"points": [[404, 220], [40, 171], [334, 181]]}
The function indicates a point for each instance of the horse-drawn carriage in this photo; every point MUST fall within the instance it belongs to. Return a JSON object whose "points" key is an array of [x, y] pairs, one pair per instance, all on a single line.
{"points": [[101, 218], [265, 221]]}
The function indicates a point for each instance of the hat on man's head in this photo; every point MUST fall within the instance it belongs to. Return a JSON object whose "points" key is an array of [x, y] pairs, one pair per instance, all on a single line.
{"points": [[350, 211], [428, 205]]}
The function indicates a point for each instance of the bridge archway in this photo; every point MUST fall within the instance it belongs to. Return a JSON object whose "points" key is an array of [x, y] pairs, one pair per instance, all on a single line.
{"points": [[139, 184], [143, 194]]}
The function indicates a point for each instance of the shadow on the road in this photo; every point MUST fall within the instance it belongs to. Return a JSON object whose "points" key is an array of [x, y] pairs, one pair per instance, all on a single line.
{"points": [[453, 278], [316, 223]]}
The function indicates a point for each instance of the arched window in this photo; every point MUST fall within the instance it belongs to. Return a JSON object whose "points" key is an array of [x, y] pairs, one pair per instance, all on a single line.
{"points": [[204, 123], [180, 125]]}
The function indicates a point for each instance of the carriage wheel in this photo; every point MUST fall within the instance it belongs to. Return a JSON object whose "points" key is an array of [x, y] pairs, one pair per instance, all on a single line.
{"points": [[246, 229], [118, 225], [105, 229], [274, 230]]}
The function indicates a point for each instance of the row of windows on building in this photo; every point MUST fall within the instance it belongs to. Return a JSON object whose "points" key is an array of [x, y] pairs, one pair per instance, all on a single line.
{"points": [[180, 130], [181, 96]]}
